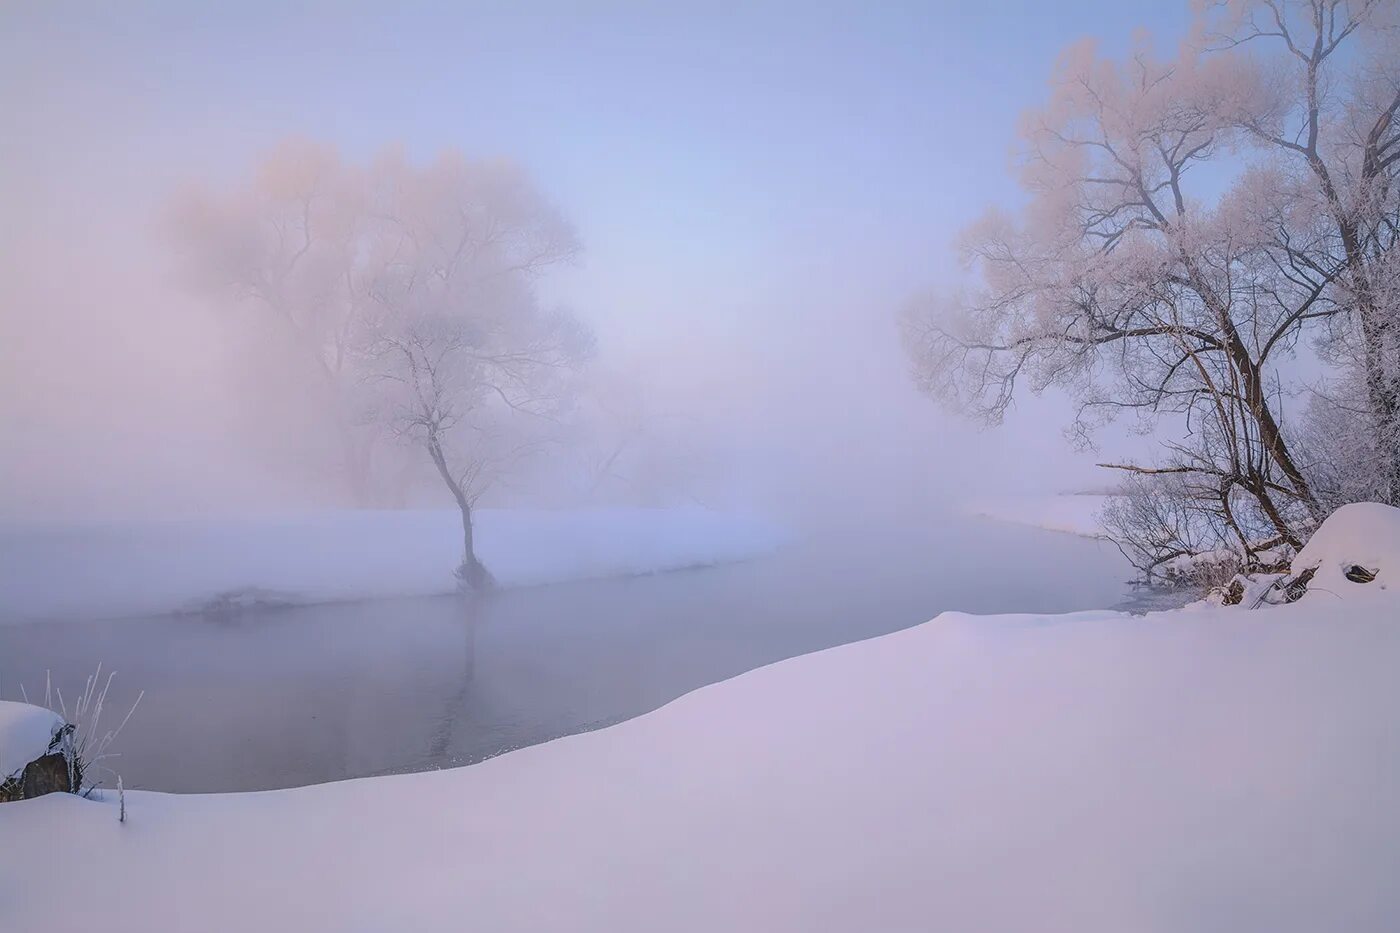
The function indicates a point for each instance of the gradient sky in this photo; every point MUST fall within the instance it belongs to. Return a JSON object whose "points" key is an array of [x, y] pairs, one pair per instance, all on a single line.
{"points": [[684, 137], [763, 183]]}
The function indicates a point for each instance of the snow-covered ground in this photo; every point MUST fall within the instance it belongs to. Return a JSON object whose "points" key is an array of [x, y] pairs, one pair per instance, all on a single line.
{"points": [[1203, 769], [1070, 512], [107, 570]]}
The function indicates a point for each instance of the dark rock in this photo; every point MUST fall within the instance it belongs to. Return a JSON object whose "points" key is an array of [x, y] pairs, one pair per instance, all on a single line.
{"points": [[1358, 574], [51, 773], [47, 775]]}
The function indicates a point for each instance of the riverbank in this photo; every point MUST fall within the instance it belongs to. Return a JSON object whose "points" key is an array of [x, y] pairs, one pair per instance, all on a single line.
{"points": [[1071, 513], [1207, 768]]}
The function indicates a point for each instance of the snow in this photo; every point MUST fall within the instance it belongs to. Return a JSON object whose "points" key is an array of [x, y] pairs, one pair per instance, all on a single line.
{"points": [[104, 570], [1075, 514], [1364, 534], [1191, 770], [25, 734], [1188, 566]]}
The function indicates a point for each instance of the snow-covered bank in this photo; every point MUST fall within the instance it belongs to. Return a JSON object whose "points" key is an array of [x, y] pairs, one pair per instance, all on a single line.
{"points": [[1363, 534], [1073, 513], [104, 570], [1210, 769]]}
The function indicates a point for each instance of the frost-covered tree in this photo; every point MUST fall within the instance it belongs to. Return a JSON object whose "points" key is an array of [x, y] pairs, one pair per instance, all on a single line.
{"points": [[1179, 248], [1124, 288], [409, 291], [462, 359], [1329, 121]]}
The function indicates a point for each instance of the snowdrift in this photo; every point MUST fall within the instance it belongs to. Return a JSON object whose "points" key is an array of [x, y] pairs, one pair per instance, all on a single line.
{"points": [[1364, 535], [108, 570], [1191, 770]]}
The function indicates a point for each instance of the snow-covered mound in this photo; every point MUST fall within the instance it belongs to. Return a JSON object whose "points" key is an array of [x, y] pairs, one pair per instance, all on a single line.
{"points": [[25, 734], [1363, 535], [1075, 514], [1095, 773], [106, 570]]}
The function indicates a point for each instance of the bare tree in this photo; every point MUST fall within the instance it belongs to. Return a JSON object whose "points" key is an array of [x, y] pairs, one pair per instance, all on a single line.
{"points": [[463, 360]]}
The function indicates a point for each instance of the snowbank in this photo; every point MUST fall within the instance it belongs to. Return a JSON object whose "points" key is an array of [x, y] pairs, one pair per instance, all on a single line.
{"points": [[25, 734], [1363, 534], [67, 571], [1073, 514], [1212, 770], [1189, 770]]}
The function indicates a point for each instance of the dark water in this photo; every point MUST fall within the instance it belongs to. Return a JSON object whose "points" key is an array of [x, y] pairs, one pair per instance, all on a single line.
{"points": [[277, 698]]}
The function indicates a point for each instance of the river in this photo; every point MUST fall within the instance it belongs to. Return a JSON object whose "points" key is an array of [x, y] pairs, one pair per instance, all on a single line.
{"points": [[282, 697]]}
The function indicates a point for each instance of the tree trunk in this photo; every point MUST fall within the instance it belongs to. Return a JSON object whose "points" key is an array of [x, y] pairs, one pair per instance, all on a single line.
{"points": [[472, 572], [1256, 401], [1382, 388]]}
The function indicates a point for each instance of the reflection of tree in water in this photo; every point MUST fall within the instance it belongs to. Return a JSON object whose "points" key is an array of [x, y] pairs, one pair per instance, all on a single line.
{"points": [[440, 742]]}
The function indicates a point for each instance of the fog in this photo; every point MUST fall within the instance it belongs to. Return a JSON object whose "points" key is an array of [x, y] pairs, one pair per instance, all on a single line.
{"points": [[517, 460], [752, 216]]}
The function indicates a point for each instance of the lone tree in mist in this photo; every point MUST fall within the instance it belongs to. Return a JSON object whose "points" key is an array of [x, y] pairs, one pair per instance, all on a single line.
{"points": [[1203, 232], [464, 360], [410, 292]]}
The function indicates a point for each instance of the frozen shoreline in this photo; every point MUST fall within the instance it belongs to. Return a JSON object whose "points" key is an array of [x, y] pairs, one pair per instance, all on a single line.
{"points": [[1071, 513], [115, 570]]}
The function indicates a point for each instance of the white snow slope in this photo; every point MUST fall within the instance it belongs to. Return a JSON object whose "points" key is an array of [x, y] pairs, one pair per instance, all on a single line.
{"points": [[116, 569], [1204, 770]]}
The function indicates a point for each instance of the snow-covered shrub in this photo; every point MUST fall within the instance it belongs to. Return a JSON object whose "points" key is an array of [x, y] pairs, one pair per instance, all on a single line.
{"points": [[1205, 570], [1178, 532], [1357, 546]]}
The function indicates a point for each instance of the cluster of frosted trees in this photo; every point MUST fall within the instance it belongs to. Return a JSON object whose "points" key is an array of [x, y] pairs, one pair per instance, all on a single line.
{"points": [[407, 295], [1207, 248]]}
